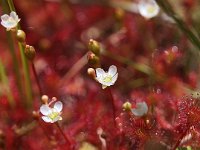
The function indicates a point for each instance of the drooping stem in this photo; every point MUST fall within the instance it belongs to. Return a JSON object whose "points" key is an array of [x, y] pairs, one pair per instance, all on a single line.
{"points": [[112, 104], [37, 79], [4, 79], [65, 137]]}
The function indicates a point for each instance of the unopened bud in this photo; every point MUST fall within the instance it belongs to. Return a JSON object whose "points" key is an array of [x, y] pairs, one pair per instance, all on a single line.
{"points": [[54, 99], [44, 99], [91, 73], [127, 106], [36, 115], [30, 52], [94, 47], [119, 14], [21, 36], [93, 59]]}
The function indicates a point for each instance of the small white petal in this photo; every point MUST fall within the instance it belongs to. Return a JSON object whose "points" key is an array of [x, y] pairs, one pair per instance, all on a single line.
{"points": [[45, 110], [148, 8], [46, 119], [14, 15], [58, 106], [99, 72], [112, 70], [140, 110], [114, 79], [4, 17]]}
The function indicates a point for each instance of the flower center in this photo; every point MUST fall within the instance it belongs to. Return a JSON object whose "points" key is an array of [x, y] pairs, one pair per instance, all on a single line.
{"points": [[53, 115], [107, 79], [150, 9]]}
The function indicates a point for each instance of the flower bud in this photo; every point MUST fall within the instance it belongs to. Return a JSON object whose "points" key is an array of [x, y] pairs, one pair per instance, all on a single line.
{"points": [[93, 60], [36, 115], [94, 47], [21, 36], [127, 106], [54, 99], [119, 14], [44, 99], [91, 73], [30, 52]]}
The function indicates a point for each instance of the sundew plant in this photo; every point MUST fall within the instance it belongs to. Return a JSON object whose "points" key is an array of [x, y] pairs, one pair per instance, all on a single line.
{"points": [[99, 75]]}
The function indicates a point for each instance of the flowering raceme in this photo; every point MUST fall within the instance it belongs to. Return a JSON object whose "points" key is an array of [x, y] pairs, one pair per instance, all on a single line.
{"points": [[51, 115], [10, 22], [148, 8], [107, 78]]}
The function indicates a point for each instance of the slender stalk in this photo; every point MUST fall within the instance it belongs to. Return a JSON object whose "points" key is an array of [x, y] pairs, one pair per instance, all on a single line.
{"points": [[180, 139], [24, 65], [26, 76], [45, 132], [113, 105], [5, 82], [137, 66], [13, 53], [36, 78], [65, 137], [15, 64], [167, 8]]}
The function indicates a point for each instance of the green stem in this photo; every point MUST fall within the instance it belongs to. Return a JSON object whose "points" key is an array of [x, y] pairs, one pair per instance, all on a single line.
{"points": [[5, 82], [167, 8], [137, 66], [13, 53], [15, 64], [25, 66], [26, 76]]}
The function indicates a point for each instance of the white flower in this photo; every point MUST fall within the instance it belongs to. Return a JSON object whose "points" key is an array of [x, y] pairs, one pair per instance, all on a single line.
{"points": [[107, 78], [51, 115], [140, 110], [148, 8], [11, 21]]}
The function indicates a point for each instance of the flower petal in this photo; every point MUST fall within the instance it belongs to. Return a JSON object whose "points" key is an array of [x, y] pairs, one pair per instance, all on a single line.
{"points": [[99, 72], [4, 17], [112, 70], [46, 119], [114, 79], [140, 110], [58, 106], [45, 110], [148, 9], [14, 16]]}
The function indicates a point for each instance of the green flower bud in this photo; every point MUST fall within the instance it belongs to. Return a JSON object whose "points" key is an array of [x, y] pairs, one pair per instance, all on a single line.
{"points": [[21, 36], [127, 106], [30, 52], [94, 47]]}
